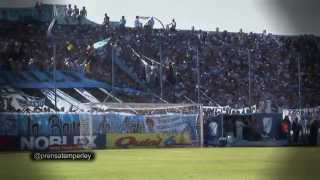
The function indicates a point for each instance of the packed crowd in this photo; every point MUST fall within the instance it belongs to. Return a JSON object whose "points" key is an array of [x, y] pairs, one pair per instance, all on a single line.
{"points": [[224, 62], [224, 59]]}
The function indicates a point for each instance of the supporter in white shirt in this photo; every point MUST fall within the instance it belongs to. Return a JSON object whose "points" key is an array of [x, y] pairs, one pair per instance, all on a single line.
{"points": [[137, 23], [69, 10], [76, 11]]}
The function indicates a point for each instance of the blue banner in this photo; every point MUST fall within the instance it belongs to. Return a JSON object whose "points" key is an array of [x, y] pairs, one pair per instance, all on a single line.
{"points": [[69, 131]]}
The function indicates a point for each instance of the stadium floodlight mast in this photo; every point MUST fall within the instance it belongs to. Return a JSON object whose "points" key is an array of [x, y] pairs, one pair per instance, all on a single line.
{"points": [[249, 78], [112, 68], [198, 77], [299, 82], [51, 37]]}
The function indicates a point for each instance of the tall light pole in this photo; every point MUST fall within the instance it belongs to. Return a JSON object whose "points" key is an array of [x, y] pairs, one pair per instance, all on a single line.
{"points": [[54, 74], [249, 78], [198, 77], [161, 59], [299, 82], [52, 38], [112, 69], [161, 73], [161, 56]]}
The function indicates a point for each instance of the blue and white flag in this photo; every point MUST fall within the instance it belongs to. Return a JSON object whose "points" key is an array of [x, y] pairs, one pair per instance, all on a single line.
{"points": [[100, 44]]}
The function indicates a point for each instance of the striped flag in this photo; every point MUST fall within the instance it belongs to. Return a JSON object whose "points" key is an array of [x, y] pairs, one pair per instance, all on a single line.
{"points": [[55, 13], [100, 44]]}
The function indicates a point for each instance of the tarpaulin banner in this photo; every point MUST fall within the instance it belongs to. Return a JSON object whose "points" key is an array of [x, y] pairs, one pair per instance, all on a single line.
{"points": [[151, 140], [172, 123]]}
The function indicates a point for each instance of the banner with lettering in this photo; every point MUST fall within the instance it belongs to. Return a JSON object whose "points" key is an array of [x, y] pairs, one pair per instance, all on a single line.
{"points": [[309, 113], [148, 140], [217, 110], [68, 131], [172, 123]]}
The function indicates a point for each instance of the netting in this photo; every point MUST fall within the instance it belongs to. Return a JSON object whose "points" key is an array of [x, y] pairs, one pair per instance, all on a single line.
{"points": [[144, 125]]}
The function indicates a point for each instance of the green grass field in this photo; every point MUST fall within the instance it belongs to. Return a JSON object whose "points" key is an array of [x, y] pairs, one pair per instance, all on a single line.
{"points": [[175, 164]]}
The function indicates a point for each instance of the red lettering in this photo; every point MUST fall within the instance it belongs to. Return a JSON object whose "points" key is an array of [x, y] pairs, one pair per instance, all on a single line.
{"points": [[125, 142]]}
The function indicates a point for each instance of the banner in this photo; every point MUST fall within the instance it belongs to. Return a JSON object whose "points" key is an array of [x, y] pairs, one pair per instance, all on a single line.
{"points": [[172, 123], [101, 44], [21, 101], [217, 110], [67, 131], [57, 142], [298, 113], [152, 140], [32, 103]]}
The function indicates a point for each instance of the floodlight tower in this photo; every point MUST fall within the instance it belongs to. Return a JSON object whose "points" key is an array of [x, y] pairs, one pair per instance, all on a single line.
{"points": [[52, 38], [160, 52]]}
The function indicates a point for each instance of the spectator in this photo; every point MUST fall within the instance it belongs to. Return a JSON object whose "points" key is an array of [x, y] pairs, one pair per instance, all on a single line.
{"points": [[150, 24], [192, 29], [285, 126], [76, 12], [123, 22], [83, 12], [137, 23], [173, 25], [69, 10], [296, 128], [106, 20], [314, 132]]}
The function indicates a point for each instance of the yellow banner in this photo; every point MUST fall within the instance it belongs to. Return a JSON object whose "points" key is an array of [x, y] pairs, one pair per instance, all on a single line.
{"points": [[116, 140]]}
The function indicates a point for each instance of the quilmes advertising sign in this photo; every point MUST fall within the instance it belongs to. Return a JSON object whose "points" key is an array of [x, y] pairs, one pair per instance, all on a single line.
{"points": [[148, 140]]}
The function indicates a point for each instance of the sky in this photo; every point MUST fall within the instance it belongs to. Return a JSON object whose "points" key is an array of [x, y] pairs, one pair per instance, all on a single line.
{"points": [[276, 16]]}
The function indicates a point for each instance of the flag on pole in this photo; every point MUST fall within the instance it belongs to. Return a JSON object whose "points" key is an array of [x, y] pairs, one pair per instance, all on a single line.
{"points": [[102, 43], [55, 13]]}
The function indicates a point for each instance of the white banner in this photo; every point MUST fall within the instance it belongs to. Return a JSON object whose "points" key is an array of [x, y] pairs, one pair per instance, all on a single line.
{"points": [[217, 110], [296, 113], [171, 122]]}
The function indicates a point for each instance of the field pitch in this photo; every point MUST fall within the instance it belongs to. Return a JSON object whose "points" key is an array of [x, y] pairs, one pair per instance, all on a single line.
{"points": [[172, 164]]}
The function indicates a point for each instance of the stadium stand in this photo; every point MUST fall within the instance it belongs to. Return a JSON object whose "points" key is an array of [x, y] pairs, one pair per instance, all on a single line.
{"points": [[224, 60]]}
